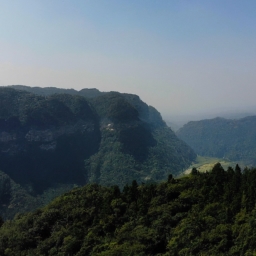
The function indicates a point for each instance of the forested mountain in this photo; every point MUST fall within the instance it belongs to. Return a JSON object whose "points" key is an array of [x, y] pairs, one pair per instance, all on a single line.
{"points": [[50, 140], [210, 213], [46, 91], [223, 138]]}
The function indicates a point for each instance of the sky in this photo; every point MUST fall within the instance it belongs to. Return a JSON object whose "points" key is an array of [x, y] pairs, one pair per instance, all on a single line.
{"points": [[183, 57]]}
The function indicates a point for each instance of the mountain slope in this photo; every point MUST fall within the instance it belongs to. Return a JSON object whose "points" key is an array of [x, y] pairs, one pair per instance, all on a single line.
{"points": [[62, 139], [223, 138], [44, 140], [130, 130], [139, 144]]}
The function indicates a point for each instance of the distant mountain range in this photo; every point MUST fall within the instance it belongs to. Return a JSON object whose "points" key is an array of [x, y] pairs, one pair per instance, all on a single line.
{"points": [[54, 139], [178, 120], [234, 139]]}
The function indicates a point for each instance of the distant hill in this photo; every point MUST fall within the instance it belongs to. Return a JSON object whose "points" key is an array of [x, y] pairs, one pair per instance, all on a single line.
{"points": [[53, 138], [222, 138], [178, 120]]}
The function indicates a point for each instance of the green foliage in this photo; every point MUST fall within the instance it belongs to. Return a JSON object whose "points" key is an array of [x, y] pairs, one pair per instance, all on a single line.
{"points": [[14, 198], [133, 152], [52, 137], [47, 91], [46, 139], [223, 138], [39, 111], [193, 215], [135, 144], [114, 107]]}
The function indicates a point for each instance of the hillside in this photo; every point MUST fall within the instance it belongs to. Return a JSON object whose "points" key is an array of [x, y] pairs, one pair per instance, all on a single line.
{"points": [[63, 140], [223, 138], [209, 213]]}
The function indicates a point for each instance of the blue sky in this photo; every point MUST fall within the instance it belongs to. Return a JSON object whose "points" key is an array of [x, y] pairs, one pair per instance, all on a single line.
{"points": [[181, 56]]}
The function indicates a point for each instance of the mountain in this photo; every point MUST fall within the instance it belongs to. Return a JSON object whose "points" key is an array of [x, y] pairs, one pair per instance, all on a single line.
{"points": [[234, 139], [45, 139], [52, 140], [209, 213], [46, 91], [176, 121]]}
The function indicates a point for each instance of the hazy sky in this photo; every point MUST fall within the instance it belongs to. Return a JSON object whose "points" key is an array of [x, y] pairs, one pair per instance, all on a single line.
{"points": [[181, 56]]}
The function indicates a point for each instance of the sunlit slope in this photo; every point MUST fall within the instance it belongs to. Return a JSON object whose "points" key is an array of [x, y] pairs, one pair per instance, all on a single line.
{"points": [[204, 164]]}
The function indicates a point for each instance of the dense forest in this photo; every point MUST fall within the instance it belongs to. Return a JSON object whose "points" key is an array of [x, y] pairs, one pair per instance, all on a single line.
{"points": [[210, 213], [223, 138], [52, 140]]}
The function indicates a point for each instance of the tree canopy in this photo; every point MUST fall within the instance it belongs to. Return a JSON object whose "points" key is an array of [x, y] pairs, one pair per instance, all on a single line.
{"points": [[210, 213]]}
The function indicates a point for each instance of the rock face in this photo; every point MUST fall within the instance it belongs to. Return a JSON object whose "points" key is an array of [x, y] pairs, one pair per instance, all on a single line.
{"points": [[76, 137]]}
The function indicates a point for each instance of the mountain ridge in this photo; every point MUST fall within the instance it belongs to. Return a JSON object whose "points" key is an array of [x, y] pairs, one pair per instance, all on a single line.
{"points": [[60, 138]]}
